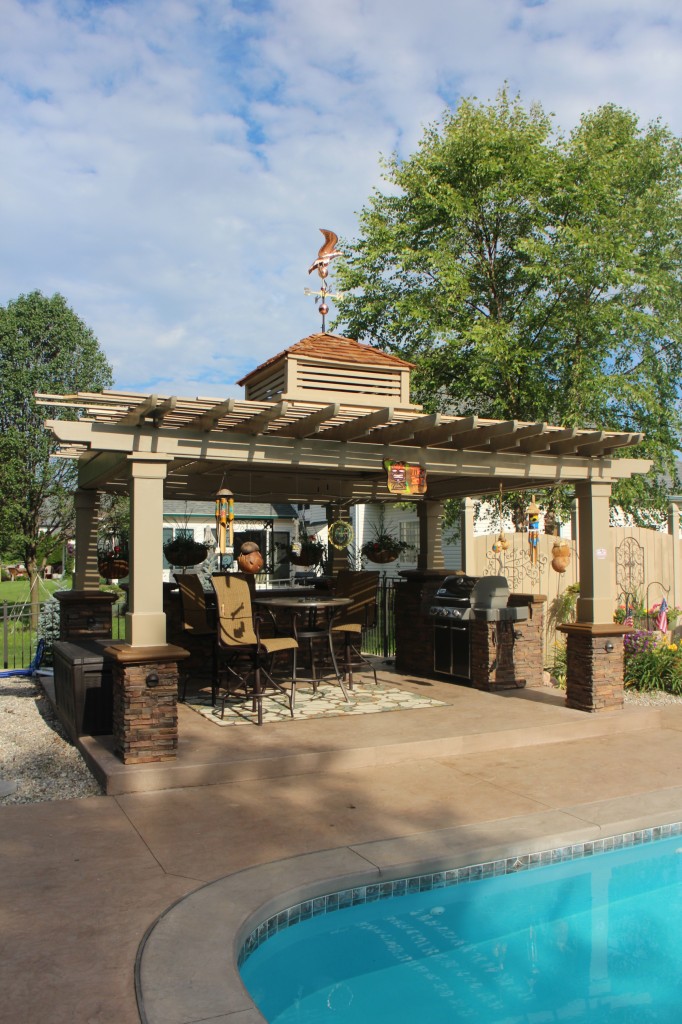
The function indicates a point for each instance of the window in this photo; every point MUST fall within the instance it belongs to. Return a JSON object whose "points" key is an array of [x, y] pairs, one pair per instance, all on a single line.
{"points": [[409, 533]]}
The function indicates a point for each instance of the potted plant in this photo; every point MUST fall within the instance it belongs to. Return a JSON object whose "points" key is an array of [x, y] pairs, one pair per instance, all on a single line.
{"points": [[183, 550], [383, 547]]}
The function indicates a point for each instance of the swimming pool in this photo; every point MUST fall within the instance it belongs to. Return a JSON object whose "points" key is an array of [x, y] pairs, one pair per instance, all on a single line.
{"points": [[583, 938]]}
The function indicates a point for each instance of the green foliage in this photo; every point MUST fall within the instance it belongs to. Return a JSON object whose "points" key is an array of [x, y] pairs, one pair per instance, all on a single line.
{"points": [[44, 347], [651, 663], [533, 276]]}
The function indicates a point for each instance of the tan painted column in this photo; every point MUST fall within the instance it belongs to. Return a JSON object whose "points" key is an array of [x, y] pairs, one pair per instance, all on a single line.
{"points": [[467, 537], [595, 549], [674, 531], [430, 515], [86, 575], [146, 622]]}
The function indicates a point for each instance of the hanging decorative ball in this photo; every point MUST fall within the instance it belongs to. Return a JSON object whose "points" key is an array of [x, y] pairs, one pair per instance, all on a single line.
{"points": [[250, 559], [561, 555], [324, 309]]}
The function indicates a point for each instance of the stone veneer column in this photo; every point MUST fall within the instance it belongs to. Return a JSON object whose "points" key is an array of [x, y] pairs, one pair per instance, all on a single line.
{"points": [[509, 654], [594, 666], [85, 613], [145, 719], [413, 627]]}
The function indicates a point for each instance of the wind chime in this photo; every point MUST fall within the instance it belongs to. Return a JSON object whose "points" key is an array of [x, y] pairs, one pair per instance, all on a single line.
{"points": [[501, 542], [224, 517], [533, 519]]}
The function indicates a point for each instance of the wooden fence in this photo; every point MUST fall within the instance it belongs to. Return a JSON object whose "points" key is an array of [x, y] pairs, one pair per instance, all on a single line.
{"points": [[647, 566]]}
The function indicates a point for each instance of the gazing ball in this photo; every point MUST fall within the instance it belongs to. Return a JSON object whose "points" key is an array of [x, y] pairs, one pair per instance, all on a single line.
{"points": [[324, 309]]}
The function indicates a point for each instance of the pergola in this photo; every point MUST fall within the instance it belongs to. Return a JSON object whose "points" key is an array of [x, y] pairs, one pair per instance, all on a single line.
{"points": [[317, 424]]}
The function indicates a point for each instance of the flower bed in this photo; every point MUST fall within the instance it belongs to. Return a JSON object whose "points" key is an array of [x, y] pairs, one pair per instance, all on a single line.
{"points": [[652, 662]]}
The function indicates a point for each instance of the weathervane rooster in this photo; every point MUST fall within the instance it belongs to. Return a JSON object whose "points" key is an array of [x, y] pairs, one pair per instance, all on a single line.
{"points": [[327, 253]]}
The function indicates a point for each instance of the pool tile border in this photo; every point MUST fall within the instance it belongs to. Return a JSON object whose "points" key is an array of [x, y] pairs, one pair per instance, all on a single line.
{"points": [[442, 879]]}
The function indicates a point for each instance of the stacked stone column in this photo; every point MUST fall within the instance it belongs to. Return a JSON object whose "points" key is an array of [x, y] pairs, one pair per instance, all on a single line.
{"points": [[594, 666], [145, 721]]}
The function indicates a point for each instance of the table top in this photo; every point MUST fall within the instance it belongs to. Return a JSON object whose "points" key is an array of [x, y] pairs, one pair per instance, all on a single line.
{"points": [[302, 601]]}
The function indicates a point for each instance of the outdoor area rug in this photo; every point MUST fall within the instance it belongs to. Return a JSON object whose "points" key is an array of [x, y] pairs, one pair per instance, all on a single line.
{"points": [[328, 702]]}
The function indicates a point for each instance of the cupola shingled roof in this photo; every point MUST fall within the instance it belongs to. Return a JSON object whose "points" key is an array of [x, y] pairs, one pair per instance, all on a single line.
{"points": [[336, 367]]}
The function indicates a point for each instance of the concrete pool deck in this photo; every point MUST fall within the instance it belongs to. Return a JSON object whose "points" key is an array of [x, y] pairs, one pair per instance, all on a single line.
{"points": [[307, 809]]}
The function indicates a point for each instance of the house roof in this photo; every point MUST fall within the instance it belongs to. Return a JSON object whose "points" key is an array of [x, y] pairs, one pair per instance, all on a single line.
{"points": [[333, 347], [182, 510]]}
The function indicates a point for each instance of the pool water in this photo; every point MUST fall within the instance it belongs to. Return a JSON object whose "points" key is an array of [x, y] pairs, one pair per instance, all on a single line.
{"points": [[591, 940]]}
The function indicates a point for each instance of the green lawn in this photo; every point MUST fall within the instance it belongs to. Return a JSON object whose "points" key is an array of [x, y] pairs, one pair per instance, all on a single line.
{"points": [[17, 638], [17, 591]]}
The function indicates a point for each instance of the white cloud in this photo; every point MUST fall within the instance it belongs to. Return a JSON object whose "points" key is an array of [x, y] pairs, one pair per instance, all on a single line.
{"points": [[166, 165]]}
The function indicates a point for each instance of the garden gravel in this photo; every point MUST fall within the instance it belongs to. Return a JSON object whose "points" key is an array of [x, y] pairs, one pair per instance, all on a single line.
{"points": [[37, 760]]}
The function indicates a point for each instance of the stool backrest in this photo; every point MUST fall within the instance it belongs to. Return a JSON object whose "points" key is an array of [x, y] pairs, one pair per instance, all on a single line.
{"points": [[235, 617]]}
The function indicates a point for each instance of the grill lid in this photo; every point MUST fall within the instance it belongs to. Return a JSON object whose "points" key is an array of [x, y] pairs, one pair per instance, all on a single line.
{"points": [[490, 592]]}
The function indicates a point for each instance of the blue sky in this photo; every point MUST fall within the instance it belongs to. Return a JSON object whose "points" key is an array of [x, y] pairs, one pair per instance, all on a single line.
{"points": [[166, 164]]}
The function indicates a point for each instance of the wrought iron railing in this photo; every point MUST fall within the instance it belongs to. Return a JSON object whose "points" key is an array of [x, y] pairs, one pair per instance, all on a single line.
{"points": [[19, 632], [380, 639]]}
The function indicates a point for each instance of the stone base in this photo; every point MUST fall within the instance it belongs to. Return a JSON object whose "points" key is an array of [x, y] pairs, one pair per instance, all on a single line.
{"points": [[145, 719], [594, 666], [413, 626], [85, 613]]}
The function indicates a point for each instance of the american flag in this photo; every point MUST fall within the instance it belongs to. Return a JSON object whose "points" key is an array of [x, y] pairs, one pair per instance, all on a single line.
{"points": [[662, 617]]}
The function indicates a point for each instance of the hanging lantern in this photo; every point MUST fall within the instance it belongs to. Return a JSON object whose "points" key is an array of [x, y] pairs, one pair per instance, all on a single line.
{"points": [[224, 518], [533, 518]]}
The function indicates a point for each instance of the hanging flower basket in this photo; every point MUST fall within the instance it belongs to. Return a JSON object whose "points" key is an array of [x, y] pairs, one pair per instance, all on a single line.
{"points": [[111, 568], [383, 548], [112, 557], [306, 557], [380, 557], [184, 551]]}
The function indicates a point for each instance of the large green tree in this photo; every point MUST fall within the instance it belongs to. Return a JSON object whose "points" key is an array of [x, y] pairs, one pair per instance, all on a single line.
{"points": [[533, 275], [44, 347]]}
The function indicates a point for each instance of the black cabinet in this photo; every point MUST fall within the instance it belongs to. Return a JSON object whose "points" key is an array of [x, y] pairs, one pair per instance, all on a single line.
{"points": [[83, 687]]}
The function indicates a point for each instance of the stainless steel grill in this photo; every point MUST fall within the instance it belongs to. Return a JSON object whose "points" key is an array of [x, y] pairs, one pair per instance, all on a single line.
{"points": [[460, 601]]}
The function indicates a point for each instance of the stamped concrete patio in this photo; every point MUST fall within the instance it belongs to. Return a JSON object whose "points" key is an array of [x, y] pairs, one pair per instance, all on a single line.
{"points": [[83, 880]]}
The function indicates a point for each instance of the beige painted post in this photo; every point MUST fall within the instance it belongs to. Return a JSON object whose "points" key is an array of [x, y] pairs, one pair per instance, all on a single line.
{"points": [[146, 621], [430, 535], [86, 575], [467, 537], [597, 570], [674, 531]]}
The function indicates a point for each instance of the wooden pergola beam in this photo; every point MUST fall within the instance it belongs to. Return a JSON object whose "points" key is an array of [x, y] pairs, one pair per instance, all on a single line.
{"points": [[445, 432], [306, 426], [404, 430], [358, 427], [207, 420], [256, 423]]}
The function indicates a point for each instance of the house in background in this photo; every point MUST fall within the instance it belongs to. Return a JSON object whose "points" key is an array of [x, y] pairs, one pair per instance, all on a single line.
{"points": [[402, 523], [272, 526]]}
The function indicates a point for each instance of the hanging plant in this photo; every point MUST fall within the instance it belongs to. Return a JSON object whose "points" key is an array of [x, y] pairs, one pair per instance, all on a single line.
{"points": [[383, 547], [113, 556], [183, 550]]}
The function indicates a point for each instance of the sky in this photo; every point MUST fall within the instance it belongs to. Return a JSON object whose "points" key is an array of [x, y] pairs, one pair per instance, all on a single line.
{"points": [[166, 164]]}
